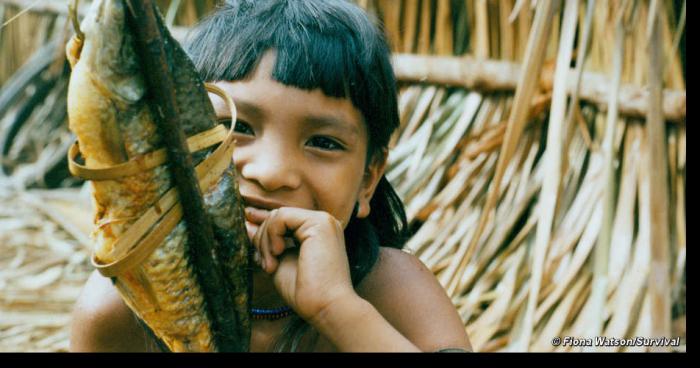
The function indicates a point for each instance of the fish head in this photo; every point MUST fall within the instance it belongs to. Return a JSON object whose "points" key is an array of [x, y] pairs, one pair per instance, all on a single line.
{"points": [[109, 50], [106, 91]]}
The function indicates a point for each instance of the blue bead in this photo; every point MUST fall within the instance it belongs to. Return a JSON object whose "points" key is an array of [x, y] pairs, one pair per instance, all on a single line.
{"points": [[268, 312]]}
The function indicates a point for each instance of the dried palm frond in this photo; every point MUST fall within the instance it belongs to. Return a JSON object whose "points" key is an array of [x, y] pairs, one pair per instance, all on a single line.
{"points": [[536, 220]]}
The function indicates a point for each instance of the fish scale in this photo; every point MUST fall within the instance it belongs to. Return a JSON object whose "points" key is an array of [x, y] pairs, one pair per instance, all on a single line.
{"points": [[110, 114]]}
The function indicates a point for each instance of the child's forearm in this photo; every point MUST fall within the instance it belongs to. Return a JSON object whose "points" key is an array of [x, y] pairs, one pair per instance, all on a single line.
{"points": [[355, 325]]}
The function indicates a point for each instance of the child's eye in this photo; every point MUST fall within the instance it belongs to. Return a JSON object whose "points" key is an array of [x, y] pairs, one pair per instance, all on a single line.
{"points": [[325, 143], [241, 126]]}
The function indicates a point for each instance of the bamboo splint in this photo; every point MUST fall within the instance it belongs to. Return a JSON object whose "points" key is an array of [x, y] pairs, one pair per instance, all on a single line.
{"points": [[141, 239]]}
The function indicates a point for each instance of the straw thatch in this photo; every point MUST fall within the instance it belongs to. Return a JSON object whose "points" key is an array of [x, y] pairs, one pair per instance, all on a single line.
{"points": [[536, 206], [541, 157], [43, 265]]}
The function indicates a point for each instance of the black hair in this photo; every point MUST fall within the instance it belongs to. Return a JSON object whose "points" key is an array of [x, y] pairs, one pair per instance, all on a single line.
{"points": [[331, 45]]}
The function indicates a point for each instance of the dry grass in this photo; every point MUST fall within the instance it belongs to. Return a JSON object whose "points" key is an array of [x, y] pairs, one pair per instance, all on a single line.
{"points": [[43, 265]]}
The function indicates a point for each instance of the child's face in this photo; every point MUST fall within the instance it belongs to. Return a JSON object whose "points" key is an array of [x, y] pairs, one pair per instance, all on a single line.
{"points": [[298, 148]]}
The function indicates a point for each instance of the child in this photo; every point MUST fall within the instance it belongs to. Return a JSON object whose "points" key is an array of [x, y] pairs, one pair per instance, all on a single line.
{"points": [[316, 101]]}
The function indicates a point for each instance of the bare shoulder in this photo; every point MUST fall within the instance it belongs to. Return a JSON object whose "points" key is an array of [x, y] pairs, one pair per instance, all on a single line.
{"points": [[409, 296], [102, 322]]}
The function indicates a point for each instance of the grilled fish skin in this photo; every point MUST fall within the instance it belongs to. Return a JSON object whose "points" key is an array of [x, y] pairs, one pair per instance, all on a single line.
{"points": [[109, 111]]}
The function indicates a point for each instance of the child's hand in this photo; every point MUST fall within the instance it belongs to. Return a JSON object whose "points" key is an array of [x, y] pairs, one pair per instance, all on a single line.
{"points": [[316, 275]]}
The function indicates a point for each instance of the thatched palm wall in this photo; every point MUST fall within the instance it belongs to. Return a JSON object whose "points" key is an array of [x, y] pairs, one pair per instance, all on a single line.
{"points": [[545, 215], [544, 178]]}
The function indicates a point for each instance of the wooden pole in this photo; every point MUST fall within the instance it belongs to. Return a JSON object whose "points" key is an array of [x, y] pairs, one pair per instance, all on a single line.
{"points": [[498, 75], [201, 240], [659, 277]]}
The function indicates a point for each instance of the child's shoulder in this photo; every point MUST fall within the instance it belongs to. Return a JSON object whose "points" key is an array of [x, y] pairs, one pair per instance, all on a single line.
{"points": [[410, 297], [102, 322], [397, 269]]}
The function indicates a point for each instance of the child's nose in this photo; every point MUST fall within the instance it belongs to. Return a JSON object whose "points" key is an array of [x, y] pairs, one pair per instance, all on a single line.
{"points": [[272, 168]]}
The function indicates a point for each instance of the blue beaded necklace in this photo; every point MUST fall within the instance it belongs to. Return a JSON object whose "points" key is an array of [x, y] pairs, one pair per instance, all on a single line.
{"points": [[270, 314]]}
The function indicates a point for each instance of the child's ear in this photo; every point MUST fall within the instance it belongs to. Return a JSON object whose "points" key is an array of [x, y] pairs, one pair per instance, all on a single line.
{"points": [[373, 173]]}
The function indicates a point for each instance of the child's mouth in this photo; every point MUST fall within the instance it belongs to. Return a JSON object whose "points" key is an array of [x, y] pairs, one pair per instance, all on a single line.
{"points": [[260, 204]]}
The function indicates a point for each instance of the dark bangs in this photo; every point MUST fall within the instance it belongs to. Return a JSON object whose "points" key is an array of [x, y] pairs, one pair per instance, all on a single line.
{"points": [[319, 44]]}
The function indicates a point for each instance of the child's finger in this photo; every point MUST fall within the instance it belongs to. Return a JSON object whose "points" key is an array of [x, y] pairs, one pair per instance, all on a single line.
{"points": [[257, 243], [272, 243], [269, 251], [277, 242], [256, 215], [262, 242], [297, 223], [251, 229]]}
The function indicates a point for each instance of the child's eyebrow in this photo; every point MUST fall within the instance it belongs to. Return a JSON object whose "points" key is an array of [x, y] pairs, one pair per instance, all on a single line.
{"points": [[320, 121], [250, 109]]}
